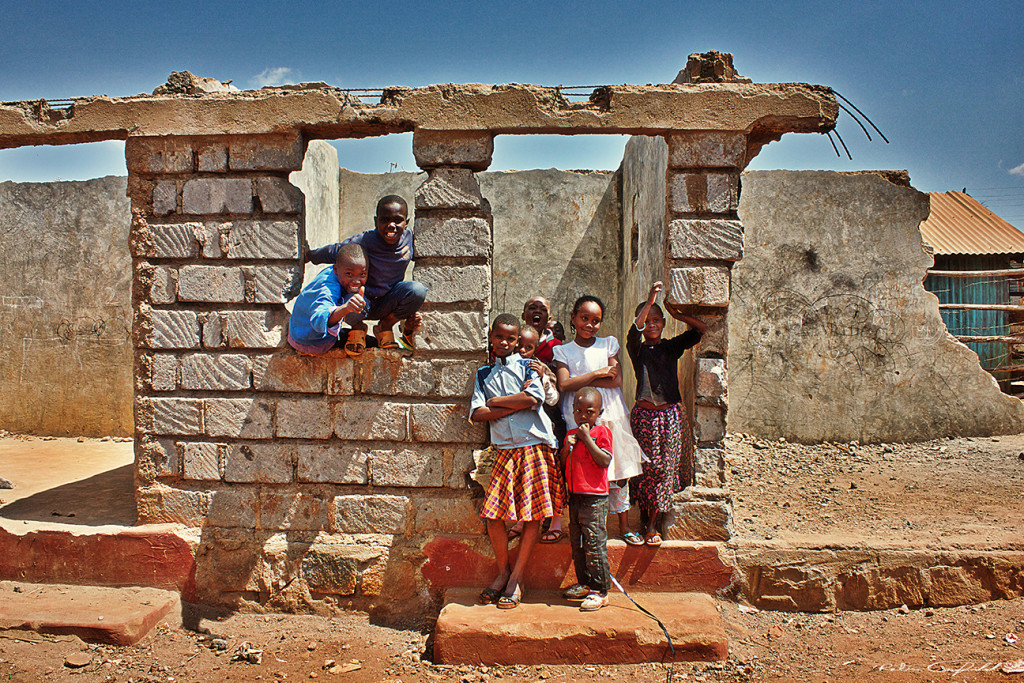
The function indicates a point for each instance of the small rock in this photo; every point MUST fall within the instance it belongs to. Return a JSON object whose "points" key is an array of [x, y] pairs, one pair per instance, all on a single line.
{"points": [[4, 484], [77, 660], [311, 645], [904, 609], [81, 439], [929, 613], [218, 644]]}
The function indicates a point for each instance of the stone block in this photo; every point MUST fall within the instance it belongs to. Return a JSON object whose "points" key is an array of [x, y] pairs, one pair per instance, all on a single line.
{"points": [[446, 516], [331, 463], [160, 456], [165, 197], [172, 416], [463, 464], [950, 586], [304, 419], [699, 193], [239, 418], [235, 507], [215, 372], [455, 378], [293, 511], [709, 467], [715, 341], [171, 240], [277, 195], [387, 374], [163, 285], [448, 187], [334, 568], [417, 466], [158, 155], [446, 422], [793, 588], [266, 153], [288, 372], [471, 149], [698, 520], [277, 284], [210, 196], [705, 239], [201, 460], [267, 463], [159, 504], [880, 588], [260, 239], [370, 420], [212, 157], [221, 284], [700, 285], [371, 514], [171, 330], [711, 381], [163, 371], [339, 372], [213, 331], [710, 424], [226, 562], [453, 237], [702, 149], [259, 329], [452, 284], [454, 331]]}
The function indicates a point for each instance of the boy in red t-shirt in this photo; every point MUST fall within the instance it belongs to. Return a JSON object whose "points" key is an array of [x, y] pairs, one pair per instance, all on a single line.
{"points": [[586, 455]]}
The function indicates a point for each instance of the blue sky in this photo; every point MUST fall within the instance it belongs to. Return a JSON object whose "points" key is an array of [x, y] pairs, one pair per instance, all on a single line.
{"points": [[944, 81]]}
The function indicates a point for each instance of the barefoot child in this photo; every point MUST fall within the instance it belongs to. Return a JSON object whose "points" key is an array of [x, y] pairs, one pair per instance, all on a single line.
{"points": [[524, 481], [389, 296], [657, 420], [593, 361], [334, 295], [587, 454]]}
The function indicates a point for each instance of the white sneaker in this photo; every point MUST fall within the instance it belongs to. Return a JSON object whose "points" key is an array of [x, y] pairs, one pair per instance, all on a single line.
{"points": [[593, 602]]}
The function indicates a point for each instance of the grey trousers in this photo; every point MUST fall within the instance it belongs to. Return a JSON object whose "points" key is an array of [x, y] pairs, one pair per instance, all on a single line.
{"points": [[588, 537]]}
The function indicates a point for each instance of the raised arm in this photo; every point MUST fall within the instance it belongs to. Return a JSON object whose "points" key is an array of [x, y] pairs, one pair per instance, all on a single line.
{"points": [[641, 318]]}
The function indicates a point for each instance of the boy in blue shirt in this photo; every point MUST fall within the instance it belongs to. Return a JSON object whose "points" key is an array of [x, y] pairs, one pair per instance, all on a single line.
{"points": [[332, 296], [389, 297]]}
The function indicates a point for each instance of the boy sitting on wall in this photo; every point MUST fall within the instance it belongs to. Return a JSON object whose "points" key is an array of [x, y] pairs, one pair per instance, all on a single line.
{"points": [[332, 296], [389, 297]]}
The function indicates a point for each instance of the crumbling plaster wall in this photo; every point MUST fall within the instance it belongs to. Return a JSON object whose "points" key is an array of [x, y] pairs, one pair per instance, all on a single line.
{"points": [[65, 308], [832, 335], [318, 181]]}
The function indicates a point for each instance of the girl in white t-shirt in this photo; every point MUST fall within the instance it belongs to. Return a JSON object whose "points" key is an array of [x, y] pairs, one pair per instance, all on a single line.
{"points": [[592, 361]]}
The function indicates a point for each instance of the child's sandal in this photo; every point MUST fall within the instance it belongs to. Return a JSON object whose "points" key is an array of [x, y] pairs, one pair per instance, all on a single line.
{"points": [[409, 330], [386, 341], [355, 343]]}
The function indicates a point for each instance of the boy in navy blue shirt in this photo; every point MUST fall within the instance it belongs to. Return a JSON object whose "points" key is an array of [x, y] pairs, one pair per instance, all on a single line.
{"points": [[389, 296]]}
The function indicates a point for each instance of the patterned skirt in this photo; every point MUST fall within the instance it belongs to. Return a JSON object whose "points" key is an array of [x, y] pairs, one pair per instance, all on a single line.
{"points": [[669, 447], [525, 485]]}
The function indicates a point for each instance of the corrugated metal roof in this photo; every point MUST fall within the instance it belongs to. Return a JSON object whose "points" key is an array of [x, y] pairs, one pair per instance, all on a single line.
{"points": [[960, 224]]}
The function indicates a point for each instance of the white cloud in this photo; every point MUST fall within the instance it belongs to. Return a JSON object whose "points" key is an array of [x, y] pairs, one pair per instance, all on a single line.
{"points": [[1017, 170], [278, 76]]}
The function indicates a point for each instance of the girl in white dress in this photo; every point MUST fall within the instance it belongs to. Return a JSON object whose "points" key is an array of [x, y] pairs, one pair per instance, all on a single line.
{"points": [[589, 360]]}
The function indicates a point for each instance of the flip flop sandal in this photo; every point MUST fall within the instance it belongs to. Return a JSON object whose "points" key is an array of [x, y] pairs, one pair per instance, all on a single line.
{"points": [[386, 341], [489, 596], [633, 538], [514, 533], [552, 536], [653, 539], [511, 601], [355, 343]]}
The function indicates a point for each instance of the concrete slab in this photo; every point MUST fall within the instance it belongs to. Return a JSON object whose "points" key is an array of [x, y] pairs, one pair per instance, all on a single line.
{"points": [[545, 629], [117, 616]]}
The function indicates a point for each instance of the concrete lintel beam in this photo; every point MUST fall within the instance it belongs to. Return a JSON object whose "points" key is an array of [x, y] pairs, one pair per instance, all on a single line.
{"points": [[758, 109]]}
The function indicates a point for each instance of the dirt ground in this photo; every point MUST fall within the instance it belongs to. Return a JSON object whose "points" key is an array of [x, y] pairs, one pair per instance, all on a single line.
{"points": [[950, 493]]}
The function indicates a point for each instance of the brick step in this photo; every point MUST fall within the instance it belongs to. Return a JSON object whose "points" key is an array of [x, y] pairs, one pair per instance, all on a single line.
{"points": [[157, 556], [545, 629], [674, 566], [116, 616]]}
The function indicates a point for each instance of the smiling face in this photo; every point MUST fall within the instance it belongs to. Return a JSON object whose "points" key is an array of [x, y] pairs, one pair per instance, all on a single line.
{"points": [[536, 312], [391, 221], [504, 339], [586, 408], [528, 341], [587, 319], [655, 325], [351, 273]]}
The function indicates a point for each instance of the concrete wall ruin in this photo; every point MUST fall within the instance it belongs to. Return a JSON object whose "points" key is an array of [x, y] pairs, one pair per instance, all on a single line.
{"points": [[65, 308], [832, 334]]}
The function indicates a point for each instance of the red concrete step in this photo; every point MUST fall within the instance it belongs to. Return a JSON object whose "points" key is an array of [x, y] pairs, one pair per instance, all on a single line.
{"points": [[545, 629], [117, 616]]}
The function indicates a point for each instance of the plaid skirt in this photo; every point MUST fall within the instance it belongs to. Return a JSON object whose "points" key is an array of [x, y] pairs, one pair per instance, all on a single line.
{"points": [[525, 485]]}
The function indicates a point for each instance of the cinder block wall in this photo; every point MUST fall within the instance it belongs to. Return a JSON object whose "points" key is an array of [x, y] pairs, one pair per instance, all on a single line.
{"points": [[309, 479]]}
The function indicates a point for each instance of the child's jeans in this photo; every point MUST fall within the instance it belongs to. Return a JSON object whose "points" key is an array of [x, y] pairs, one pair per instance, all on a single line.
{"points": [[401, 301], [588, 538]]}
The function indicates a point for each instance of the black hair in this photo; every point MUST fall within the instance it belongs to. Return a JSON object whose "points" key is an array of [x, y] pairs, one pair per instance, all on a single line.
{"points": [[505, 319], [590, 392], [351, 252], [527, 326], [654, 307], [586, 298], [392, 199]]}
